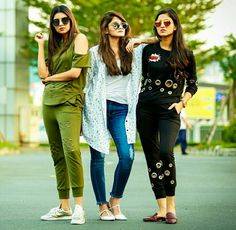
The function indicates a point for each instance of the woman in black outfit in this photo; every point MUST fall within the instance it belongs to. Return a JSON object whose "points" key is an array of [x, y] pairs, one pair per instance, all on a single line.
{"points": [[167, 66]]}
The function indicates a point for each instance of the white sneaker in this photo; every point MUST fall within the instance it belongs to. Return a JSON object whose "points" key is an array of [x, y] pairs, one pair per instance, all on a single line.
{"points": [[78, 215], [57, 214]]}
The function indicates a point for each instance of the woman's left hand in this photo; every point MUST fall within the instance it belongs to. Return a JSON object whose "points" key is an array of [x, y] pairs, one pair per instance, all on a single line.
{"points": [[46, 80], [177, 106]]}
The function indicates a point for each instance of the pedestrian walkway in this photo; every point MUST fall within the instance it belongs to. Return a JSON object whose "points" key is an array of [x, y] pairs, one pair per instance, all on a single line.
{"points": [[205, 196]]}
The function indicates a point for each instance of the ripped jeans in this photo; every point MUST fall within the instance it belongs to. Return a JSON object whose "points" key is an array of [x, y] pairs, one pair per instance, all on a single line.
{"points": [[116, 115]]}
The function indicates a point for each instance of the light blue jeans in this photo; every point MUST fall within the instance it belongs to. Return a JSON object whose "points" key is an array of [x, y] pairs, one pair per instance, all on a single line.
{"points": [[116, 115]]}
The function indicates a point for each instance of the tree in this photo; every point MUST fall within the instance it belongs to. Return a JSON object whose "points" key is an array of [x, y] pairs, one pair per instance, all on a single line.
{"points": [[139, 13], [228, 64], [226, 55]]}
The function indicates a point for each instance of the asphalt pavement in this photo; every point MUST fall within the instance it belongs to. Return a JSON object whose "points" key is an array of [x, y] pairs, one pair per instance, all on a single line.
{"points": [[205, 195]]}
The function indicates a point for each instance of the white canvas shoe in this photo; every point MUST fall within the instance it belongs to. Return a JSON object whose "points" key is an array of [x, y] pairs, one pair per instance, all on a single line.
{"points": [[57, 213], [78, 215]]}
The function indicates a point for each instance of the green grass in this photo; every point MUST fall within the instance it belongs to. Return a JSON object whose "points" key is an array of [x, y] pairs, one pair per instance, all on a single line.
{"points": [[214, 144], [8, 145], [137, 145]]}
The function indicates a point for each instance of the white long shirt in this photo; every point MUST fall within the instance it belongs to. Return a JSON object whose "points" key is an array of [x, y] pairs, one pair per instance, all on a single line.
{"points": [[94, 123]]}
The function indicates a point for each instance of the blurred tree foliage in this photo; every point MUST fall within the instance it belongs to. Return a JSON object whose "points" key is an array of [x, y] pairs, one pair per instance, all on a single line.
{"points": [[226, 56], [229, 133], [140, 14]]}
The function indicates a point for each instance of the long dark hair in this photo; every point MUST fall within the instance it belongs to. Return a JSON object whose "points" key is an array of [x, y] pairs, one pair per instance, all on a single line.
{"points": [[55, 38], [107, 53], [179, 54]]}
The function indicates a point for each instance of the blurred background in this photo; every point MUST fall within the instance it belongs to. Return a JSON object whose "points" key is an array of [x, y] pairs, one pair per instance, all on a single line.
{"points": [[209, 31]]}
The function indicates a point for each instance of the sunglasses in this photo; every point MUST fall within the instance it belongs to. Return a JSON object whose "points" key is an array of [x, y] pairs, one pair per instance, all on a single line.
{"points": [[56, 22], [122, 25], [159, 23]]}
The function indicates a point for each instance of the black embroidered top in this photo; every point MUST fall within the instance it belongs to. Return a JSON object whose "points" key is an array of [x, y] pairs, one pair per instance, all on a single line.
{"points": [[161, 83]]}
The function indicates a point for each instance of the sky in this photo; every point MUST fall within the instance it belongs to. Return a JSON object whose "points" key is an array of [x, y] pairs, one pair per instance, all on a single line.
{"points": [[222, 22]]}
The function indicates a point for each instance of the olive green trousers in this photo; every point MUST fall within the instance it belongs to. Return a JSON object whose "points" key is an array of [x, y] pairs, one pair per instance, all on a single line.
{"points": [[63, 126]]}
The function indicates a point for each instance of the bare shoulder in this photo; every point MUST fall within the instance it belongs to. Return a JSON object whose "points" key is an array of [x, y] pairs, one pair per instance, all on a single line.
{"points": [[81, 44], [81, 38]]}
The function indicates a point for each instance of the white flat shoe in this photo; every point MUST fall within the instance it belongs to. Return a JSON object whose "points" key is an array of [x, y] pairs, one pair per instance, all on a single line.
{"points": [[108, 217], [119, 216]]}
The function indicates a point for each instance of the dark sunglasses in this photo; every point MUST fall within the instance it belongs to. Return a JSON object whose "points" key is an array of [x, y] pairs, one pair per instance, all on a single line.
{"points": [[166, 23], [122, 25], [56, 22]]}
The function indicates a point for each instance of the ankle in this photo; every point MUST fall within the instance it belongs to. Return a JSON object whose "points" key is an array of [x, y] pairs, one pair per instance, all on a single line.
{"points": [[115, 209], [103, 207], [171, 208], [79, 204], [114, 201], [65, 208], [161, 212]]}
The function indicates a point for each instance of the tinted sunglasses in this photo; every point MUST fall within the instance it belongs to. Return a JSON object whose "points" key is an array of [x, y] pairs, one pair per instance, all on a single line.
{"points": [[56, 22], [122, 25], [159, 23]]}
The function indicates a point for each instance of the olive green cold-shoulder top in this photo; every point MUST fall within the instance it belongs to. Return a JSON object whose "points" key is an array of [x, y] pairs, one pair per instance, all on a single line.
{"points": [[56, 93]]}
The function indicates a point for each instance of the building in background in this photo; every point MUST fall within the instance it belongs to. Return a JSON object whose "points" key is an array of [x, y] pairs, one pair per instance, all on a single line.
{"points": [[14, 74], [205, 108]]}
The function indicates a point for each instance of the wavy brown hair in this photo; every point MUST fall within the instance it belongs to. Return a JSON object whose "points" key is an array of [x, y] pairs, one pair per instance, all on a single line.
{"points": [[179, 54], [107, 53], [55, 39]]}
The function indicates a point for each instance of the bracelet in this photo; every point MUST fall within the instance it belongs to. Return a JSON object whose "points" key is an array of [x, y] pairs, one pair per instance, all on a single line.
{"points": [[183, 103]]}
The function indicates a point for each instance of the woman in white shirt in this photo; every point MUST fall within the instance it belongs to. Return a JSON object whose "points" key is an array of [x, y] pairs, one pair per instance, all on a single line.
{"points": [[111, 95]]}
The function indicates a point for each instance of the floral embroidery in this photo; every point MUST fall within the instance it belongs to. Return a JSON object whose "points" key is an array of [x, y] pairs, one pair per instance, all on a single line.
{"points": [[154, 57]]}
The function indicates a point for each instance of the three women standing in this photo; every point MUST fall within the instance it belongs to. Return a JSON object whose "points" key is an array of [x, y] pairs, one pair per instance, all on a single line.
{"points": [[110, 106]]}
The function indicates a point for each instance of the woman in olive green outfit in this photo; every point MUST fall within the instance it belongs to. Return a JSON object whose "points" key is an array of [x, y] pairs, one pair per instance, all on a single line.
{"points": [[63, 74]]}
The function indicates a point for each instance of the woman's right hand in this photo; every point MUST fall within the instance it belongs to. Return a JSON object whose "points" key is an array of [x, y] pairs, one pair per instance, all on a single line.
{"points": [[39, 38], [177, 106], [132, 44]]}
